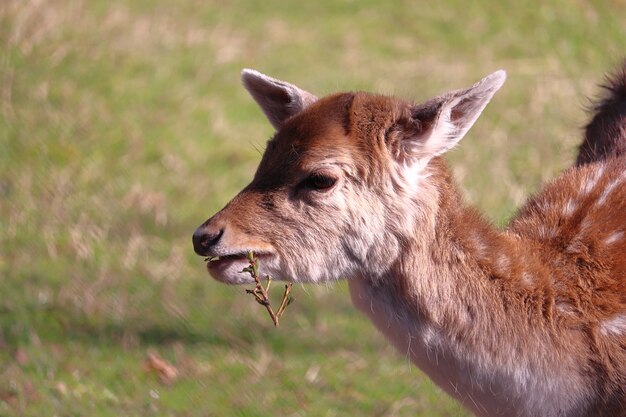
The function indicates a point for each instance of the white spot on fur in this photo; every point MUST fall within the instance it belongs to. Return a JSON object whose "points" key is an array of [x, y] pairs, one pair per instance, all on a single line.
{"points": [[584, 226], [546, 231], [569, 208], [545, 205], [478, 244], [593, 180], [564, 307], [609, 189], [613, 237], [527, 278], [615, 326], [503, 262], [575, 246]]}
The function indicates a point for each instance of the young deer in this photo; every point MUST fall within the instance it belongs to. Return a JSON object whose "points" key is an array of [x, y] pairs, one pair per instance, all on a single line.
{"points": [[525, 321]]}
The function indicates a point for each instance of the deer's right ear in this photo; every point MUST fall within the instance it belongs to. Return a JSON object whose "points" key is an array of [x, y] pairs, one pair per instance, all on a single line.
{"points": [[278, 99], [437, 125]]}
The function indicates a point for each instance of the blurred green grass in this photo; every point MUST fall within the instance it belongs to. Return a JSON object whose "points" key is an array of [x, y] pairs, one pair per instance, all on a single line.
{"points": [[123, 126]]}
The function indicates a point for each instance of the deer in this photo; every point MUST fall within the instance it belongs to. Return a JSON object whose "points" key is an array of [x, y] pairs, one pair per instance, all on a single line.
{"points": [[524, 320]]}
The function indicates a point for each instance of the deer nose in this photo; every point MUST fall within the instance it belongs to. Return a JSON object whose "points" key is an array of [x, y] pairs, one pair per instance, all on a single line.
{"points": [[205, 238]]}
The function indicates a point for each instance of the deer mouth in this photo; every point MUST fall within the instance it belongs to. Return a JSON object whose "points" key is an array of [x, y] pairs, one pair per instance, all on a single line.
{"points": [[229, 268], [216, 261]]}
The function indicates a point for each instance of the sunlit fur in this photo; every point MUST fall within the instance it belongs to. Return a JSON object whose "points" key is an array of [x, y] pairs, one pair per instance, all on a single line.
{"points": [[525, 321]]}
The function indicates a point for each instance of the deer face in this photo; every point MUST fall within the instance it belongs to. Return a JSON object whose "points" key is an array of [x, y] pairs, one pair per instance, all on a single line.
{"points": [[310, 213], [340, 185]]}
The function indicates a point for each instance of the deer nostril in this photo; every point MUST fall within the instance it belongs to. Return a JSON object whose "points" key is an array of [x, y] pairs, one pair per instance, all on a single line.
{"points": [[204, 240]]}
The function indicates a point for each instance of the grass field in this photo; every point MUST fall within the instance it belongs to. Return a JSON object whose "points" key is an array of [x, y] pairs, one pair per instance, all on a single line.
{"points": [[123, 126]]}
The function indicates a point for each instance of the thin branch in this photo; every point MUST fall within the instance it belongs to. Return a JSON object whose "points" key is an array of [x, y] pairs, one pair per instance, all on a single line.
{"points": [[261, 294], [285, 301]]}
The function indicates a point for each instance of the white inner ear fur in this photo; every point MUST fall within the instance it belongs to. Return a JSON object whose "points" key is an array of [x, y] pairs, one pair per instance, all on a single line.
{"points": [[466, 106]]}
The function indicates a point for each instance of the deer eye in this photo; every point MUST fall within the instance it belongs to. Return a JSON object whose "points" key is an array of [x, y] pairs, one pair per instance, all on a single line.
{"points": [[318, 182]]}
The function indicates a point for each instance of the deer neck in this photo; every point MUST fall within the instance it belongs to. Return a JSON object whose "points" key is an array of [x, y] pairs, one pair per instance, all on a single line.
{"points": [[456, 303]]}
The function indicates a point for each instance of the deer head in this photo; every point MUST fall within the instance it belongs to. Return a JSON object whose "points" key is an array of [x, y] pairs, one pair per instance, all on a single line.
{"points": [[344, 181]]}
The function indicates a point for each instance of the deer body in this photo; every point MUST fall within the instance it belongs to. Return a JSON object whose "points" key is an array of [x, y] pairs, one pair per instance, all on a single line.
{"points": [[492, 316], [525, 321]]}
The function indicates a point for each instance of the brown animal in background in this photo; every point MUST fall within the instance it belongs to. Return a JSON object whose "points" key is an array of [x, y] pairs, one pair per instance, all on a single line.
{"points": [[525, 321]]}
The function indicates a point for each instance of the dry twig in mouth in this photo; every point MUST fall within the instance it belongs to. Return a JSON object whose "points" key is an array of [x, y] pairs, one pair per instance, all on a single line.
{"points": [[260, 293]]}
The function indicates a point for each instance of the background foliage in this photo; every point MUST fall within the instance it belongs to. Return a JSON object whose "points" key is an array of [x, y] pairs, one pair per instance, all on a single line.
{"points": [[123, 126]]}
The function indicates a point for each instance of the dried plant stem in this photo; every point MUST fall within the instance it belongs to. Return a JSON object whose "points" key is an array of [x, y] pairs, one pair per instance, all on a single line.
{"points": [[285, 301], [260, 293]]}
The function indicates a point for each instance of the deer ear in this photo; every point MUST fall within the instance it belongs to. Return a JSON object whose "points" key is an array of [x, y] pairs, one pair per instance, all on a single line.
{"points": [[279, 100], [439, 124]]}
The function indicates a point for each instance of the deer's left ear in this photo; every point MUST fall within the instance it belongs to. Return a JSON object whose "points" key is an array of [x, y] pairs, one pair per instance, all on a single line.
{"points": [[437, 125]]}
